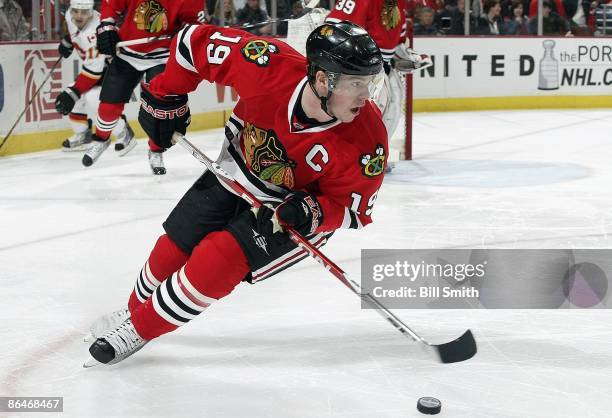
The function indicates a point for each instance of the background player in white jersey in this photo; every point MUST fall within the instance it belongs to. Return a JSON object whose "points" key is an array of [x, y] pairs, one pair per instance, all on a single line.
{"points": [[82, 97]]}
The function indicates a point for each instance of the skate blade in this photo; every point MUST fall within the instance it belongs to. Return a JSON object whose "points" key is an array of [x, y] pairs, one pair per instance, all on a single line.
{"points": [[91, 362], [78, 148], [130, 147]]}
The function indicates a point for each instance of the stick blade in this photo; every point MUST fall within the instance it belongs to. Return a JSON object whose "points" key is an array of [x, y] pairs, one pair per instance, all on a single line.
{"points": [[461, 349]]}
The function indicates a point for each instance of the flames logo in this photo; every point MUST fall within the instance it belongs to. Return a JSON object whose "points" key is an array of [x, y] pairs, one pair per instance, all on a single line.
{"points": [[150, 16], [36, 68]]}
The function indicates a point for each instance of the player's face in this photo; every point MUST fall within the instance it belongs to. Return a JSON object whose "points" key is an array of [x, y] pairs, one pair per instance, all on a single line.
{"points": [[350, 94], [80, 17]]}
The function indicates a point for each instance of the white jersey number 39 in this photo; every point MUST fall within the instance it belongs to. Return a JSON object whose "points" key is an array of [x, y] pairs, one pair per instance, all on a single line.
{"points": [[347, 6]]}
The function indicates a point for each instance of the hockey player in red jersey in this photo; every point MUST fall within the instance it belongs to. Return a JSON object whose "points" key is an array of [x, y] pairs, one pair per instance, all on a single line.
{"points": [[310, 143], [141, 19], [385, 21]]}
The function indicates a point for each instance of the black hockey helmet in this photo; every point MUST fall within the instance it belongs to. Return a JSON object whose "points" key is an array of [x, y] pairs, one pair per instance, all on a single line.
{"points": [[343, 47]]}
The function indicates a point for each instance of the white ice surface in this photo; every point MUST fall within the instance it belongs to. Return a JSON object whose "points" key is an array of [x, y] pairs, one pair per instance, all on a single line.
{"points": [[72, 241]]}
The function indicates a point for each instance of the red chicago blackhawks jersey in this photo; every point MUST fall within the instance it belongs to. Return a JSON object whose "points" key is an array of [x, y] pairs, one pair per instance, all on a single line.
{"points": [[267, 149], [146, 18], [384, 20]]}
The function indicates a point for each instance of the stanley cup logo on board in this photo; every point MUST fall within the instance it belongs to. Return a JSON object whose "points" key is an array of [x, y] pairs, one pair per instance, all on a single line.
{"points": [[37, 64], [549, 68]]}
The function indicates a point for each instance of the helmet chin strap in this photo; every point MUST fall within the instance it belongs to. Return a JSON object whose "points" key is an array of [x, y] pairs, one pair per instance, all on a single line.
{"points": [[323, 100]]}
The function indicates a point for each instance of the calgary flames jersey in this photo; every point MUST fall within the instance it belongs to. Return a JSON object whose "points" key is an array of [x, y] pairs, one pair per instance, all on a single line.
{"points": [[384, 20], [267, 149], [84, 43], [147, 18]]}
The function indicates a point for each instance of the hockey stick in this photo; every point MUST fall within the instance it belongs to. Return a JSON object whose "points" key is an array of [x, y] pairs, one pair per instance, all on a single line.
{"points": [[457, 350], [30, 102], [309, 7]]}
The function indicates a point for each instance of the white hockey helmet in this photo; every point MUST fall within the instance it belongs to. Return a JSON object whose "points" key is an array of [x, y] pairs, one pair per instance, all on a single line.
{"points": [[82, 4]]}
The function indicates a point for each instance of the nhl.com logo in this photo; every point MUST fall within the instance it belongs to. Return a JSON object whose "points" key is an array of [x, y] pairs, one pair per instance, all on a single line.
{"points": [[37, 65]]}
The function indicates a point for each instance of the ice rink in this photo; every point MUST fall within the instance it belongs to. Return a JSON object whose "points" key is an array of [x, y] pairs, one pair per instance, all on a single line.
{"points": [[73, 241]]}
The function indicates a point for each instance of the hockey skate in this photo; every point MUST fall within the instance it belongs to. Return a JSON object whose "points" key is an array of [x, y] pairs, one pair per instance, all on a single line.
{"points": [[106, 323], [78, 142], [125, 140], [98, 146], [156, 161], [116, 345]]}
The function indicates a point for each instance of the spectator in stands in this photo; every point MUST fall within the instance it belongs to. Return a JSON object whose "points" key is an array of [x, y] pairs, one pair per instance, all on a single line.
{"points": [[424, 24], [229, 13], [253, 13], [491, 23], [13, 25], [577, 10], [413, 6], [600, 17], [556, 6], [477, 8], [297, 10], [450, 20], [553, 24], [517, 23], [283, 11]]}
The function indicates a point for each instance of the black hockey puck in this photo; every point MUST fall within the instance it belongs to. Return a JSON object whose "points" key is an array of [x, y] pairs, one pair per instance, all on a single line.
{"points": [[429, 406]]}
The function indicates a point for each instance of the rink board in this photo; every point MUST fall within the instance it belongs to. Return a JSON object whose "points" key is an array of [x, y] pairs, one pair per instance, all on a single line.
{"points": [[473, 73]]}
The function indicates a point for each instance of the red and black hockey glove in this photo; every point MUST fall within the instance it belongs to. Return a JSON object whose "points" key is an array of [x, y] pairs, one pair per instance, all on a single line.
{"points": [[300, 211], [107, 38], [65, 100], [161, 117], [65, 47], [267, 225]]}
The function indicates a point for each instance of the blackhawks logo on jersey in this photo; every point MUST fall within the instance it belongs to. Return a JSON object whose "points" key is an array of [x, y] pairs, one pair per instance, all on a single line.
{"points": [[390, 15], [258, 51], [267, 157], [151, 16], [373, 165]]}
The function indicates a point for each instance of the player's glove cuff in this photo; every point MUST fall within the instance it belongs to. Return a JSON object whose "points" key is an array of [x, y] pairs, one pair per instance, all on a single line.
{"points": [[65, 100], [107, 38], [65, 47], [407, 60], [161, 117], [302, 212]]}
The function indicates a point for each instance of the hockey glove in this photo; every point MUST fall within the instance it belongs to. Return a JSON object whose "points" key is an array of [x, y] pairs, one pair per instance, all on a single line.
{"points": [[302, 212], [267, 225], [407, 60], [65, 100], [65, 47], [107, 38], [160, 118]]}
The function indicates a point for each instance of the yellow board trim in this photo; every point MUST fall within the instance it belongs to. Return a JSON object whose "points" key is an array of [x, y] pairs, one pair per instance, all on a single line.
{"points": [[42, 141], [509, 103]]}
